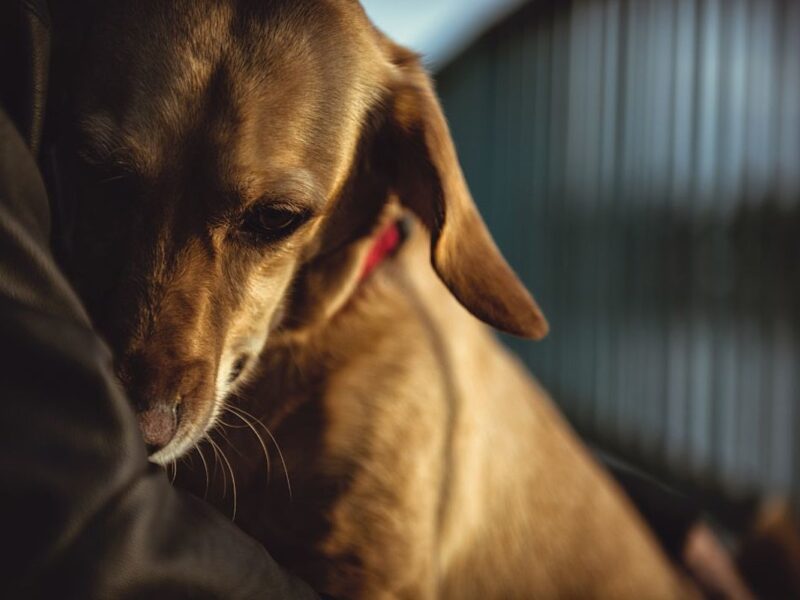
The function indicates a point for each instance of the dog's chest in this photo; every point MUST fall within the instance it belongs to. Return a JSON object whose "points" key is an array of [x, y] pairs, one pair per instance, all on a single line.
{"points": [[361, 445]]}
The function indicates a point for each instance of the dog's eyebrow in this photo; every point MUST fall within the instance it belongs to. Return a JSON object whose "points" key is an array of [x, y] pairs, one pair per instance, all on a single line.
{"points": [[297, 188], [104, 143]]}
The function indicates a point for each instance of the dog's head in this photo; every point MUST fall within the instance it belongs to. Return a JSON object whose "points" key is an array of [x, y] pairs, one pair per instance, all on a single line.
{"points": [[222, 147]]}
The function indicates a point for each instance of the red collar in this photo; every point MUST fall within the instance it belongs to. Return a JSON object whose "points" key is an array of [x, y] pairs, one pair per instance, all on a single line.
{"points": [[383, 246]]}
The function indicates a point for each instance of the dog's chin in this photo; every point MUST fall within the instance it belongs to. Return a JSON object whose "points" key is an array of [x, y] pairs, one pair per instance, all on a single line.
{"points": [[169, 453], [186, 438]]}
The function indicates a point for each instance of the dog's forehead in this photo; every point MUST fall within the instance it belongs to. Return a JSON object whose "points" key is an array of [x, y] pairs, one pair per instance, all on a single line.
{"points": [[239, 89]]}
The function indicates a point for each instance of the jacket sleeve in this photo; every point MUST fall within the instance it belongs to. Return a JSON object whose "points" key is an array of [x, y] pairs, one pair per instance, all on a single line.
{"points": [[84, 514]]}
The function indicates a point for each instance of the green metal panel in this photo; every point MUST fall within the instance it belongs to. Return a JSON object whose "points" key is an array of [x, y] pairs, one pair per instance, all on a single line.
{"points": [[639, 164]]}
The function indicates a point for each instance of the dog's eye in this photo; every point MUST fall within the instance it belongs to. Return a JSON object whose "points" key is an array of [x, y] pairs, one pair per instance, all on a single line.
{"points": [[269, 223]]}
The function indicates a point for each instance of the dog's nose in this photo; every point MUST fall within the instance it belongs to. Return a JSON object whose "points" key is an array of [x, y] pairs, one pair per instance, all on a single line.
{"points": [[165, 393], [158, 424]]}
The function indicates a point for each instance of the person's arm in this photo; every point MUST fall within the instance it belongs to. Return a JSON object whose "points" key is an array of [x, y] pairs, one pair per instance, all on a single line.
{"points": [[84, 514]]}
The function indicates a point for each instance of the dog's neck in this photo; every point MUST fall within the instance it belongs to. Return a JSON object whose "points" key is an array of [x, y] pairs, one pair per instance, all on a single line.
{"points": [[327, 284], [384, 245]]}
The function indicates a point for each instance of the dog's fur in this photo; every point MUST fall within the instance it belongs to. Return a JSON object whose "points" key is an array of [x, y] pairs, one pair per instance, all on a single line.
{"points": [[236, 159]]}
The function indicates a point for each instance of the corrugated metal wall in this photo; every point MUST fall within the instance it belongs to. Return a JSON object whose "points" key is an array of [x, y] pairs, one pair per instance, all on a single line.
{"points": [[639, 164]]}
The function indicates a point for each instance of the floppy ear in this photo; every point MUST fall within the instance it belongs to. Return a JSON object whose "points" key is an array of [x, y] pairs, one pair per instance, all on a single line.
{"points": [[428, 179]]}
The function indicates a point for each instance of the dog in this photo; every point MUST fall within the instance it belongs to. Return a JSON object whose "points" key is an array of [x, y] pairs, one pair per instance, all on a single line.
{"points": [[271, 225]]}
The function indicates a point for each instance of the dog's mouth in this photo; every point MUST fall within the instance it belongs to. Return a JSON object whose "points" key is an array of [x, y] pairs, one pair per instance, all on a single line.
{"points": [[237, 369]]}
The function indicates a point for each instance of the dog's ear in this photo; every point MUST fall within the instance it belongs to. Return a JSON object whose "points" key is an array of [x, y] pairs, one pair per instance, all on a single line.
{"points": [[427, 178]]}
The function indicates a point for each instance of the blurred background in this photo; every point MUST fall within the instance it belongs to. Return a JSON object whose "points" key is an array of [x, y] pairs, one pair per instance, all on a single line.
{"points": [[638, 162]]}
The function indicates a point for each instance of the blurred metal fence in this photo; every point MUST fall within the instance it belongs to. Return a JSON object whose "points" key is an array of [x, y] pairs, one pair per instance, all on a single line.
{"points": [[639, 164]]}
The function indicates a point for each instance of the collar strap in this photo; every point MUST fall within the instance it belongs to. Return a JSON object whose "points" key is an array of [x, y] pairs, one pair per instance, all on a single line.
{"points": [[385, 245]]}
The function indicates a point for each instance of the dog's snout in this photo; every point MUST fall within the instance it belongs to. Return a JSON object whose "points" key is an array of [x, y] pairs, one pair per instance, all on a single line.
{"points": [[158, 424], [167, 395]]}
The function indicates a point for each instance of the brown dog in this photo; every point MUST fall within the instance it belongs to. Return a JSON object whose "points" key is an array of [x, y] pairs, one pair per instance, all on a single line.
{"points": [[237, 161]]}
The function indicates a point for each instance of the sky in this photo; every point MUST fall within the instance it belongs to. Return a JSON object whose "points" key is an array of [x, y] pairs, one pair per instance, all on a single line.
{"points": [[438, 29]]}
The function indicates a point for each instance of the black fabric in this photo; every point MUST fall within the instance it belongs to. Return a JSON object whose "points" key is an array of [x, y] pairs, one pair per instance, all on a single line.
{"points": [[24, 62]]}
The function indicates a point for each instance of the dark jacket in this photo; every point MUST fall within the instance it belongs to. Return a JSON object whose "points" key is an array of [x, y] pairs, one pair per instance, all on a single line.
{"points": [[84, 515]]}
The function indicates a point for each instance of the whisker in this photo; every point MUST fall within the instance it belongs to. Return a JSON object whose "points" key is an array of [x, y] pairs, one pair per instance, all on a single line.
{"points": [[205, 467], [174, 471], [274, 441], [298, 364], [283, 462], [215, 448], [231, 425], [260, 441], [225, 437], [110, 179], [233, 481]]}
